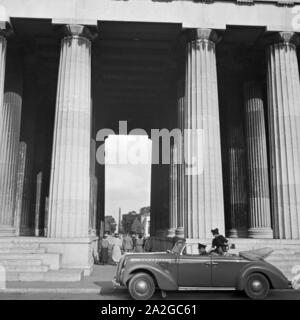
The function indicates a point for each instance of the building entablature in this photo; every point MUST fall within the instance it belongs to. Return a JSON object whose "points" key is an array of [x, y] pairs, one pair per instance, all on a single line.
{"points": [[273, 15]]}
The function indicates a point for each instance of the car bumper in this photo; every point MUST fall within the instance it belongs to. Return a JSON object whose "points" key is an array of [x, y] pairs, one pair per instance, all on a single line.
{"points": [[115, 283]]}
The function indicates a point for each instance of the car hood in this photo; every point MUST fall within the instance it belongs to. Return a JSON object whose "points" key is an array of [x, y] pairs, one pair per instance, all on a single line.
{"points": [[256, 254]]}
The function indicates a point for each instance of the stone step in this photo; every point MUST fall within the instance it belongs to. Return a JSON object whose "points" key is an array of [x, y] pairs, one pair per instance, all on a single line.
{"points": [[283, 257], [18, 244], [63, 275], [289, 264], [11, 262], [51, 259], [280, 247], [27, 268], [22, 250]]}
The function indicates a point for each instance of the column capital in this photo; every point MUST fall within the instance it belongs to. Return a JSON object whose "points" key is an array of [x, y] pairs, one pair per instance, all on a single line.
{"points": [[203, 34], [283, 37], [78, 30]]}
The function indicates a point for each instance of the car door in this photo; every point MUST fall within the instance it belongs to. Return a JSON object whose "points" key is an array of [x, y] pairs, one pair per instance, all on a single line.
{"points": [[193, 270], [225, 270]]}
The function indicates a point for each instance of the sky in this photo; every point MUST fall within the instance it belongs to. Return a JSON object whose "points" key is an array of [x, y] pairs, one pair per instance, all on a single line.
{"points": [[128, 174]]}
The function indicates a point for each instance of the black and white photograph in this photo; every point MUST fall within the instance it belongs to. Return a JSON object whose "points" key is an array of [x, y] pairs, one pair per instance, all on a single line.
{"points": [[149, 154]]}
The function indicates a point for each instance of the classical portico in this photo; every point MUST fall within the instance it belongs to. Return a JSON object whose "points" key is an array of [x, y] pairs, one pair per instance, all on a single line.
{"points": [[65, 76]]}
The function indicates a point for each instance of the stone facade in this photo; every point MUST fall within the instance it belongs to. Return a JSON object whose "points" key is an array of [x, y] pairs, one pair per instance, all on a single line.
{"points": [[169, 65]]}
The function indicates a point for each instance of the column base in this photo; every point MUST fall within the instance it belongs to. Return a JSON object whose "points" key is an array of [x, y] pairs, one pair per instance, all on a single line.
{"points": [[243, 233], [179, 233], [161, 233], [7, 231], [260, 233], [233, 233], [25, 231], [171, 233], [77, 253]]}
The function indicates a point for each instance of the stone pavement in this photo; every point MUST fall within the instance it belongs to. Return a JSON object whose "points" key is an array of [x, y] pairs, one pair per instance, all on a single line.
{"points": [[100, 278]]}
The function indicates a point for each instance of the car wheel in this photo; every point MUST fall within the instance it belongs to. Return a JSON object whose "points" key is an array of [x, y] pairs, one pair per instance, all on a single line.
{"points": [[257, 286], [141, 286]]}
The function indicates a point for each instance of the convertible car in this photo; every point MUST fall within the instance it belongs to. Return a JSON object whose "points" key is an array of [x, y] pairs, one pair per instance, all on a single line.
{"points": [[184, 268]]}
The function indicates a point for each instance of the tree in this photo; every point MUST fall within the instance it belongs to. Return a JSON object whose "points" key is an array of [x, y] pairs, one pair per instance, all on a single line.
{"points": [[110, 224], [127, 221], [137, 226]]}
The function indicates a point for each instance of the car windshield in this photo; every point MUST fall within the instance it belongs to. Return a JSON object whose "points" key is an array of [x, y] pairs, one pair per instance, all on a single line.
{"points": [[178, 247]]}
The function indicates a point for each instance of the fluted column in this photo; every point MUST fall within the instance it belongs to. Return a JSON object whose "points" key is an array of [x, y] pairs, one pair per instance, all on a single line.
{"points": [[180, 167], [69, 203], [173, 191], [203, 172], [284, 133], [258, 189], [20, 186], [6, 210], [237, 183], [9, 152], [92, 185]]}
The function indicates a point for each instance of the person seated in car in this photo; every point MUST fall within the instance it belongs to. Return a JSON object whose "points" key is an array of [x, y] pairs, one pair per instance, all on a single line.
{"points": [[202, 249], [219, 243]]}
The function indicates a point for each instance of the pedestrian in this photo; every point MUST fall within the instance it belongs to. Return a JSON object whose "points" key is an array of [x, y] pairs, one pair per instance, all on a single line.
{"points": [[104, 249], [127, 243], [148, 244], [134, 240], [116, 249], [139, 244]]}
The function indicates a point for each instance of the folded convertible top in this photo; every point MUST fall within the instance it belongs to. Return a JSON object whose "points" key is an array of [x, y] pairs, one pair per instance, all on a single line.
{"points": [[256, 254]]}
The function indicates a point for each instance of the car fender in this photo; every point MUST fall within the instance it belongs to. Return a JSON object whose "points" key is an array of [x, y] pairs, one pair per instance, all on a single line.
{"points": [[163, 277], [275, 276]]}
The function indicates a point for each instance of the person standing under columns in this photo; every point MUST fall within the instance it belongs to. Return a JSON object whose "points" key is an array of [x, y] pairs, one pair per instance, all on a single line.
{"points": [[203, 170], [284, 133], [70, 177]]}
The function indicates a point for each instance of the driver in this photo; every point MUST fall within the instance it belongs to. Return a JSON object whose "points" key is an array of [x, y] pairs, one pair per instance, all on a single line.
{"points": [[202, 249]]}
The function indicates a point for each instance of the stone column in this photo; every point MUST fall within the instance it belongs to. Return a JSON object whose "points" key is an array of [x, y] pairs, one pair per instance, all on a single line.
{"points": [[284, 133], [203, 172], [3, 223], [258, 189], [25, 203], [180, 168], [237, 183], [38, 201], [92, 184], [20, 186], [9, 154], [69, 201], [10, 113], [173, 191]]}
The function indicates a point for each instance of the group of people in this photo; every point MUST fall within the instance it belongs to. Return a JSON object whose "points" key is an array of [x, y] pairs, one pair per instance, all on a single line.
{"points": [[219, 244], [112, 247]]}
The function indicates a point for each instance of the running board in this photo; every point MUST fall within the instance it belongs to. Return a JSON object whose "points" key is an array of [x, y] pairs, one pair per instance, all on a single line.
{"points": [[206, 288]]}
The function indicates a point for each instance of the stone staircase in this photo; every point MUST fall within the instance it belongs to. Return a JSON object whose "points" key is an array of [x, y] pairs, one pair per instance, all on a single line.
{"points": [[285, 256], [27, 261]]}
